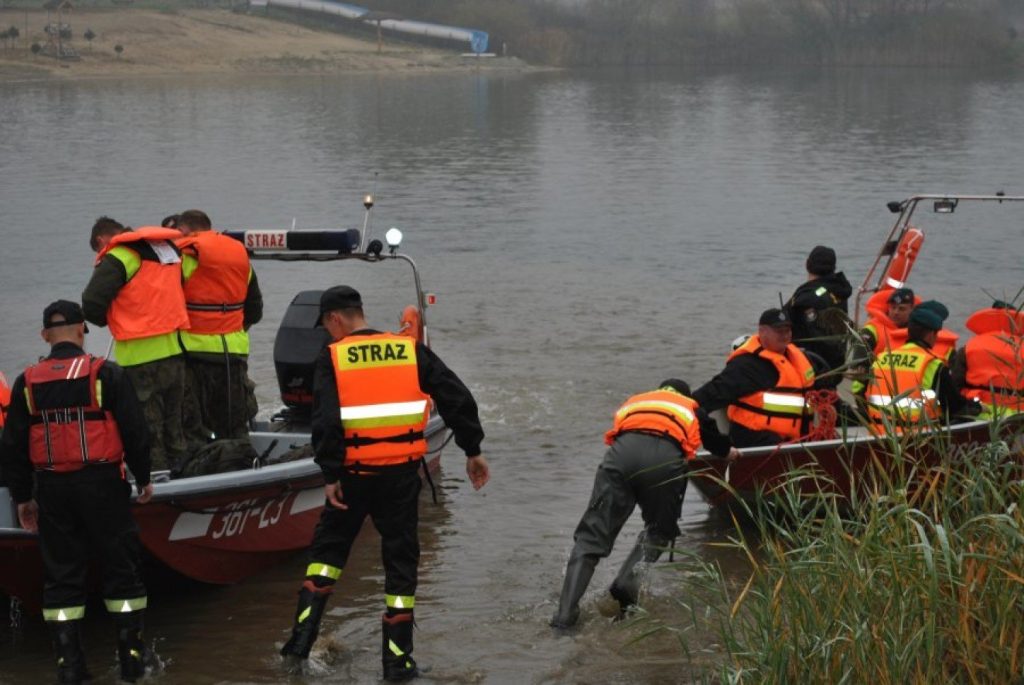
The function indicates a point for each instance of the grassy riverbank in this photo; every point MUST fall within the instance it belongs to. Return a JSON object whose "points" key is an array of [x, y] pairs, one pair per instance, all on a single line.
{"points": [[164, 40], [921, 580]]}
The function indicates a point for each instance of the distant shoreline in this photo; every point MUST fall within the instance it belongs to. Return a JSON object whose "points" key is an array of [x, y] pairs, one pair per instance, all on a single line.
{"points": [[193, 41]]}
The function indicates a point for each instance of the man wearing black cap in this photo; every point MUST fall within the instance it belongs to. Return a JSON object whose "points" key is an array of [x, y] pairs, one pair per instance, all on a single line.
{"points": [[818, 309], [654, 435], [74, 421], [371, 398], [764, 385], [910, 385]]}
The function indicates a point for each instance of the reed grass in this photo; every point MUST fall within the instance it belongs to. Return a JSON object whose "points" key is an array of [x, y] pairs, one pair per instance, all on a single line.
{"points": [[914, 576]]}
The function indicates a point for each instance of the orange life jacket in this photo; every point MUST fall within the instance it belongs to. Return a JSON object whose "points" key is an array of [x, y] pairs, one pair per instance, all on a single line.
{"points": [[215, 292], [69, 429], [781, 409], [889, 336], [5, 398], [995, 359], [660, 412], [383, 410], [152, 301], [901, 386]]}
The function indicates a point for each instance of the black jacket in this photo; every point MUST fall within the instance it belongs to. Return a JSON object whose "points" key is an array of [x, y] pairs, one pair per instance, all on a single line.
{"points": [[118, 397], [807, 309], [454, 402]]}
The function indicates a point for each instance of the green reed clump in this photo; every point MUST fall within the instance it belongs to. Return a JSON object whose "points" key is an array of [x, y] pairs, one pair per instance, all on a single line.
{"points": [[915, 576]]}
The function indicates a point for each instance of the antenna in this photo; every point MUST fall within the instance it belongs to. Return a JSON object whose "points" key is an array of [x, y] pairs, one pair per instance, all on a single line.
{"points": [[368, 201]]}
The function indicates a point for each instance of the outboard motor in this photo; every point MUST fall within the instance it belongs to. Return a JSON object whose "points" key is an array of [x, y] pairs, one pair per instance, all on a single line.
{"points": [[297, 345]]}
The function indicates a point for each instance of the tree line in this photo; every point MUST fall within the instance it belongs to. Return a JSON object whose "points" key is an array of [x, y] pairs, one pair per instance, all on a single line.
{"points": [[704, 32]]}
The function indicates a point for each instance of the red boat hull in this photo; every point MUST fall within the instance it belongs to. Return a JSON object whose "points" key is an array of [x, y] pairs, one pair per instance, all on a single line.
{"points": [[842, 463]]}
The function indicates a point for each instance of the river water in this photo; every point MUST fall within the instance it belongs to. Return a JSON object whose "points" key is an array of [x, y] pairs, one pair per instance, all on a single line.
{"points": [[587, 235]]}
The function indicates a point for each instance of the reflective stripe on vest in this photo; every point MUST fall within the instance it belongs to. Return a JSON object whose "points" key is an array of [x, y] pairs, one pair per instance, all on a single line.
{"points": [[661, 412], [151, 303], [216, 276], [383, 410], [70, 434], [900, 389], [781, 409]]}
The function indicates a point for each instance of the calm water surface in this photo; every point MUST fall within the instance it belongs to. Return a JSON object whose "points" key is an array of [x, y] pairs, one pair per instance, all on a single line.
{"points": [[587, 234]]}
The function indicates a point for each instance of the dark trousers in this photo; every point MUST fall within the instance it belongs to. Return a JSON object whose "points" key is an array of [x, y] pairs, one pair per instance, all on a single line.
{"points": [[392, 502], [160, 386], [218, 399], [637, 469], [85, 512]]}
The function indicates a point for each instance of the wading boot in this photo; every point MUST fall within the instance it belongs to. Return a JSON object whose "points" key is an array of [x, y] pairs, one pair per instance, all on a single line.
{"points": [[67, 643], [311, 607], [396, 648], [577, 577], [626, 586], [131, 650]]}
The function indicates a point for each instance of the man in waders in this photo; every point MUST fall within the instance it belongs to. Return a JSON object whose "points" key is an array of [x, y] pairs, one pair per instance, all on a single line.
{"points": [[223, 300], [74, 424], [371, 398], [654, 435]]}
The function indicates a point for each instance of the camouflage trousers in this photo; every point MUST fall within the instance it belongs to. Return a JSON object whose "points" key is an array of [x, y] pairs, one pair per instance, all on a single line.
{"points": [[219, 400], [160, 386]]}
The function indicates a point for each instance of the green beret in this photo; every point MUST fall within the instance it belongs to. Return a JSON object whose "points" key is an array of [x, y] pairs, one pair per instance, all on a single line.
{"points": [[936, 307], [927, 317]]}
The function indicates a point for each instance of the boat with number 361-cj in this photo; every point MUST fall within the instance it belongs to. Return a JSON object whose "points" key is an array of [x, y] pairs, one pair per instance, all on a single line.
{"points": [[224, 527]]}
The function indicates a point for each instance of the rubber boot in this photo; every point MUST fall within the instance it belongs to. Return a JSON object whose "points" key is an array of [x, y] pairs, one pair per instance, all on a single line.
{"points": [[308, 613], [577, 577], [396, 647], [131, 650], [67, 643], [626, 586]]}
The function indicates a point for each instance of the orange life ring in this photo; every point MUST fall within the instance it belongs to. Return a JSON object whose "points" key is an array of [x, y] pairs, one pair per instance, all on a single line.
{"points": [[903, 261], [410, 323]]}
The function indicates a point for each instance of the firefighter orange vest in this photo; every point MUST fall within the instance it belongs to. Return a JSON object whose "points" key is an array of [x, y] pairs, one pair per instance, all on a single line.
{"points": [[5, 398], [68, 433], [215, 291], [661, 412], [781, 409], [901, 387], [995, 361], [152, 301], [383, 410]]}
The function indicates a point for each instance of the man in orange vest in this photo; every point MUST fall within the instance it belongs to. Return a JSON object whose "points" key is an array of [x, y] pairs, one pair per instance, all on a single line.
{"points": [[136, 290], [223, 300], [5, 399], [74, 424], [372, 394], [653, 436], [764, 385], [910, 385], [989, 370]]}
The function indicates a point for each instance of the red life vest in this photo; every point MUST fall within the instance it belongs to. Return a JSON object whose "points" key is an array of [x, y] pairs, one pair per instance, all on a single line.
{"points": [[781, 409], [383, 410], [75, 431], [5, 398], [663, 413], [215, 292], [995, 359], [901, 386], [152, 301]]}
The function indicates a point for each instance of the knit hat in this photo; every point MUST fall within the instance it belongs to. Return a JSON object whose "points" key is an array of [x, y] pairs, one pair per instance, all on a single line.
{"points": [[821, 261]]}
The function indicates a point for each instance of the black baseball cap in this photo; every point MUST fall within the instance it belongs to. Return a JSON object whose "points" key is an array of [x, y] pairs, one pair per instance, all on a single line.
{"points": [[71, 312], [776, 318], [338, 297]]}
